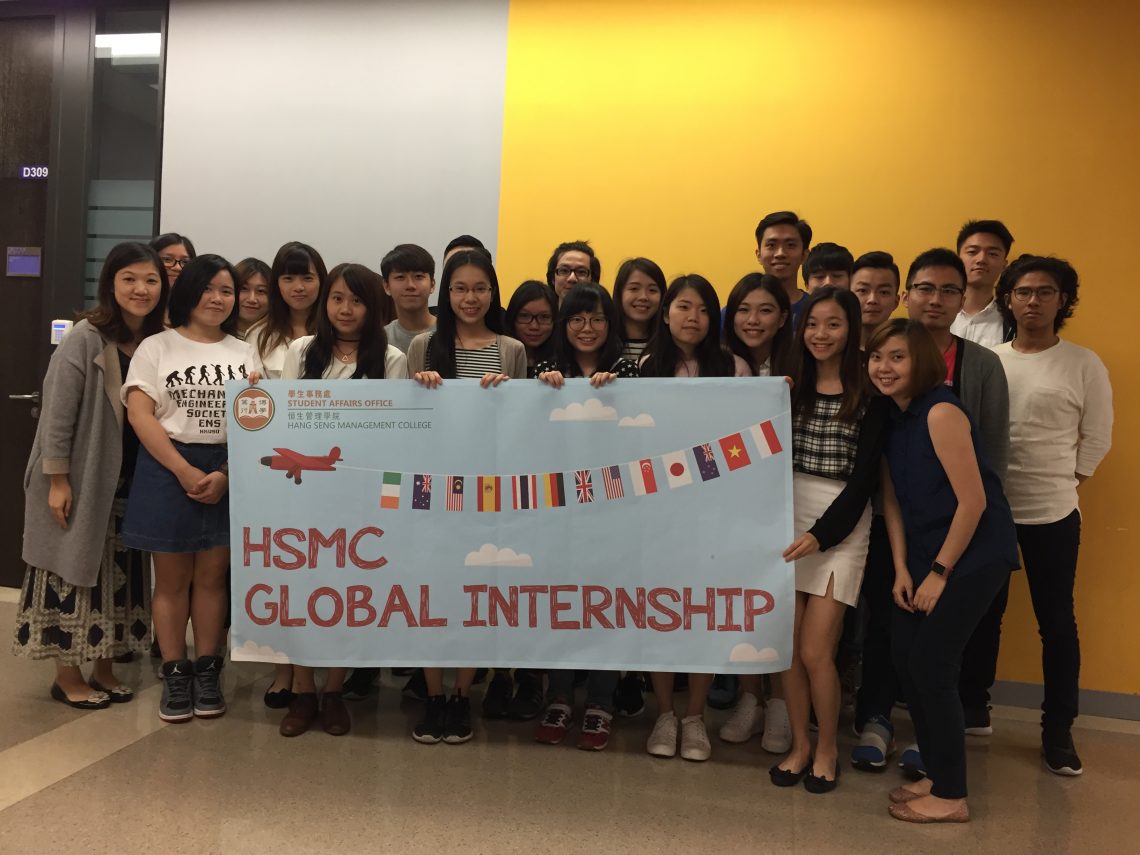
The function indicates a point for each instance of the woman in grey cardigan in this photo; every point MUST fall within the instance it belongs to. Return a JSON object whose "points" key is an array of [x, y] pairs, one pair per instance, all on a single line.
{"points": [[86, 597]]}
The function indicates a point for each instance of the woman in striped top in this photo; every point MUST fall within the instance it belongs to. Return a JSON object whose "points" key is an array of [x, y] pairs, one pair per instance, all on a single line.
{"points": [[467, 343]]}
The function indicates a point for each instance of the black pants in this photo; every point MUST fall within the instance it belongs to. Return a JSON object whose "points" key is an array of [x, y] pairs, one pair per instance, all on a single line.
{"points": [[1049, 553], [979, 662], [927, 652], [880, 686]]}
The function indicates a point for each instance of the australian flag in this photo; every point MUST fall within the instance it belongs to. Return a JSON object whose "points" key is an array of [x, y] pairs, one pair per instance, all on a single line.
{"points": [[421, 493], [706, 462], [584, 485]]}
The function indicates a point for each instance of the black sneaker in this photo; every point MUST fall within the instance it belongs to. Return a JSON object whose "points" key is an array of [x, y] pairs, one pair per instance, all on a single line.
{"points": [[416, 687], [177, 702], [528, 701], [1061, 758], [498, 695], [457, 720], [977, 721], [430, 729], [359, 684], [629, 698], [208, 699]]}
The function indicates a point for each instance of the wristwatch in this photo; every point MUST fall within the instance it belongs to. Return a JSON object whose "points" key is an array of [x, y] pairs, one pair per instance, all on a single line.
{"points": [[941, 569]]}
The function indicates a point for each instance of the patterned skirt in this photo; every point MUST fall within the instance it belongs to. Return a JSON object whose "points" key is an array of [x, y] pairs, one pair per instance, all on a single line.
{"points": [[58, 620]]}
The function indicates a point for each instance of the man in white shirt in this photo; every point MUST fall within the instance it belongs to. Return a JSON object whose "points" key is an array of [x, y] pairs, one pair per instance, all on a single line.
{"points": [[408, 272], [983, 246], [1060, 425]]}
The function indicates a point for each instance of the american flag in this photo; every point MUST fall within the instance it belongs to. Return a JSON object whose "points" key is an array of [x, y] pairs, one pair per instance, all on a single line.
{"points": [[584, 484], [611, 480], [455, 492]]}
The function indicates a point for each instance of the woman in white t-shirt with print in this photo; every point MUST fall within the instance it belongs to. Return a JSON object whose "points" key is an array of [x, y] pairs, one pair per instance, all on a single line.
{"points": [[350, 344], [179, 509]]}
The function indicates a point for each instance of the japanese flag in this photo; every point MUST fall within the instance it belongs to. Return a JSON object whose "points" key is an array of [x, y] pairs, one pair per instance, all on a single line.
{"points": [[677, 469]]}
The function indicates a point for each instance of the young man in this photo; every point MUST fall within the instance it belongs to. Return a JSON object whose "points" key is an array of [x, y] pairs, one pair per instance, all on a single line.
{"points": [[1060, 425], [782, 241], [935, 289], [983, 246], [828, 264], [570, 263], [408, 273], [875, 282]]}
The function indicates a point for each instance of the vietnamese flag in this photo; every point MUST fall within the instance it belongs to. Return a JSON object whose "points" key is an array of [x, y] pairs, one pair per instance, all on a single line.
{"points": [[488, 496], [735, 454]]}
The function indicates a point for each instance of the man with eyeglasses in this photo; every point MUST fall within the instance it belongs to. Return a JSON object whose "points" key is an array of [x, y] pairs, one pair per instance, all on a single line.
{"points": [[1060, 425], [570, 263], [983, 246], [935, 290]]}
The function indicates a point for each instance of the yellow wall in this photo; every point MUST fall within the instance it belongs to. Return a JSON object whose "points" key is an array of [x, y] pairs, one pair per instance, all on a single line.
{"points": [[667, 129]]}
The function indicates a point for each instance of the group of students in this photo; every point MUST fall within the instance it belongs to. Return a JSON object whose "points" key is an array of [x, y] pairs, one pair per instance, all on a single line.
{"points": [[923, 462]]}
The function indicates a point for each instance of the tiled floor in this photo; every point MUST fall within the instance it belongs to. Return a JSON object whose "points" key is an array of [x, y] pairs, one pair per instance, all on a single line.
{"points": [[119, 781]]}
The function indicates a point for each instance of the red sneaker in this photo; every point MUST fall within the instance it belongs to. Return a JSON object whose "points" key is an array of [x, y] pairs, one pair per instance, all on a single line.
{"points": [[553, 725], [595, 733]]}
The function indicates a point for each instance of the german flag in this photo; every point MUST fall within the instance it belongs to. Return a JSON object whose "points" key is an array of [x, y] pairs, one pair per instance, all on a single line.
{"points": [[489, 494], [555, 492]]}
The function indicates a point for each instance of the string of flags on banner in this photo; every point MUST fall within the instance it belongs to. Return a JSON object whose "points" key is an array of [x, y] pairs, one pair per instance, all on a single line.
{"points": [[498, 493]]}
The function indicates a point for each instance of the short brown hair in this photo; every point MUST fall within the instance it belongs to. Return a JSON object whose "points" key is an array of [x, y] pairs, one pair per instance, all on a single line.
{"points": [[927, 365]]}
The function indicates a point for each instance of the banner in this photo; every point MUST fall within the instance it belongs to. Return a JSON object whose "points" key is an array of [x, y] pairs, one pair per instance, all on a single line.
{"points": [[639, 526]]}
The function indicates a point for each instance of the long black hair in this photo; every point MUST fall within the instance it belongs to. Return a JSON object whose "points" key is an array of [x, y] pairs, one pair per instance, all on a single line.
{"points": [[805, 369], [528, 292], [440, 355], [781, 339], [293, 259], [107, 316], [586, 297], [662, 353], [373, 347], [629, 266]]}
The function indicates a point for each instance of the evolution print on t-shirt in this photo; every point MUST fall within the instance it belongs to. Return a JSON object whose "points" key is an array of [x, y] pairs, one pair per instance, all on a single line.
{"points": [[204, 406]]}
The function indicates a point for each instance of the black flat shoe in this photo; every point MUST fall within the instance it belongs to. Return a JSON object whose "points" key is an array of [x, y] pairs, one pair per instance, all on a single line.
{"points": [[119, 694], [278, 700], [88, 704], [818, 785], [786, 777]]}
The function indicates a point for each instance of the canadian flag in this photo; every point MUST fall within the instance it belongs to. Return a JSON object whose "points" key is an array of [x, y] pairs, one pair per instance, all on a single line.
{"points": [[677, 469], [641, 474]]}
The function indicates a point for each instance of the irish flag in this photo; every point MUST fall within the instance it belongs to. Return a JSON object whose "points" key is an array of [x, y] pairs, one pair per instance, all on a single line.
{"points": [[390, 491]]}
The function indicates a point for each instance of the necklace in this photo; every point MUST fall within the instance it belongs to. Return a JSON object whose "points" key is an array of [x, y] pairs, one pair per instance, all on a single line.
{"points": [[345, 357]]}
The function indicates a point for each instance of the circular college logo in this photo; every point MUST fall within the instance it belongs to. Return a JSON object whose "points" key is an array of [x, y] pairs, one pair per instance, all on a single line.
{"points": [[253, 408]]}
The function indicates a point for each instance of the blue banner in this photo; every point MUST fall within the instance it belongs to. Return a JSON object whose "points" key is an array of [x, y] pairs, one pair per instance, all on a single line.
{"points": [[638, 526]]}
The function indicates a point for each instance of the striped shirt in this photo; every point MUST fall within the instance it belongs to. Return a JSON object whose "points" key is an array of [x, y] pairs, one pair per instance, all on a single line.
{"points": [[633, 348], [473, 364]]}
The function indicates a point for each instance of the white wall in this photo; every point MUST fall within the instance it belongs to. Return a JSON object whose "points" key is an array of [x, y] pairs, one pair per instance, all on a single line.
{"points": [[352, 126]]}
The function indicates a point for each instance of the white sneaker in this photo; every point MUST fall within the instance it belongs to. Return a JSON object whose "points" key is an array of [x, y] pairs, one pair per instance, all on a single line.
{"points": [[694, 739], [745, 721], [777, 738], [663, 740]]}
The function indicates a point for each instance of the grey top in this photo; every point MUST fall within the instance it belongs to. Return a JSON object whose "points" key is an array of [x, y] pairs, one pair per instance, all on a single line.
{"points": [[980, 384], [399, 337], [512, 355], [80, 434]]}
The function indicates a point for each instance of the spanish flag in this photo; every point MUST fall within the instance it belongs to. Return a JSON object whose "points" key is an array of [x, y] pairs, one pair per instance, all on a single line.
{"points": [[489, 494]]}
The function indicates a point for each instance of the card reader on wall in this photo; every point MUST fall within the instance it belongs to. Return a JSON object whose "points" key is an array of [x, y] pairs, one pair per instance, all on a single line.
{"points": [[24, 261]]}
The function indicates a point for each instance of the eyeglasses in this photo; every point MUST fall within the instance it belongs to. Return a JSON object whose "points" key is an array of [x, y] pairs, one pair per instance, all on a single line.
{"points": [[1045, 292], [946, 292], [596, 322], [526, 319], [463, 290], [564, 272], [171, 261]]}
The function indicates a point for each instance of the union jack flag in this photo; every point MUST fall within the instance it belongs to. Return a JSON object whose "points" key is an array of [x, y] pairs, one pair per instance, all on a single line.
{"points": [[584, 484], [611, 480]]}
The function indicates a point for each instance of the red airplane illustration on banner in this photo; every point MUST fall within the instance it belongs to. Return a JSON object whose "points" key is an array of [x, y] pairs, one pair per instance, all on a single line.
{"points": [[293, 463]]}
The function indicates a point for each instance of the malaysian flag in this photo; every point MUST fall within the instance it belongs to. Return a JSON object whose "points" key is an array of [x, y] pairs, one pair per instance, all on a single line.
{"points": [[421, 493], [611, 480], [455, 492], [706, 461], [584, 485]]}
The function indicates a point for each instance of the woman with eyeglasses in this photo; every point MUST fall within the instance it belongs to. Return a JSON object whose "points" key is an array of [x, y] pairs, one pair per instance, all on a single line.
{"points": [[175, 251], [530, 318]]}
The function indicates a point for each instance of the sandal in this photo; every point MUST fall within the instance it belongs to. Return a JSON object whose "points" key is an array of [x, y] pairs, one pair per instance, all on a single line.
{"points": [[119, 694], [906, 813], [97, 701]]}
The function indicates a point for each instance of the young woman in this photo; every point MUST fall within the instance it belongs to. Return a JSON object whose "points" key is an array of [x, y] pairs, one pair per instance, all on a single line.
{"points": [[638, 289], [349, 344], [296, 278], [176, 251], [530, 319], [686, 343], [253, 293], [586, 344], [837, 440], [179, 507], [467, 343], [756, 324], [85, 597], [954, 545]]}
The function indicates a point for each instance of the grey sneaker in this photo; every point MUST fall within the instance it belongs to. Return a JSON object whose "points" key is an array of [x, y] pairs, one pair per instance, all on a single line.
{"points": [[208, 700], [177, 677]]}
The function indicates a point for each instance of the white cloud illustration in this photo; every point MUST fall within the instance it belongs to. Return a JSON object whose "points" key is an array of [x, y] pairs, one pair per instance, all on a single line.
{"points": [[489, 555], [251, 651], [593, 410], [643, 420], [744, 652]]}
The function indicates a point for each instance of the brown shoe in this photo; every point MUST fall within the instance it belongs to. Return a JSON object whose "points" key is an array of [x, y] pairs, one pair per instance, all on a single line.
{"points": [[302, 713], [903, 811], [901, 795], [334, 714]]}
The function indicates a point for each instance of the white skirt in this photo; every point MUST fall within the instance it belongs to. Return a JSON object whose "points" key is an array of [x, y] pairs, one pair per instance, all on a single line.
{"points": [[845, 561]]}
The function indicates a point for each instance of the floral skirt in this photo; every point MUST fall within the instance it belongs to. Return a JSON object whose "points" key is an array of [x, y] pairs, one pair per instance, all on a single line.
{"points": [[58, 620]]}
